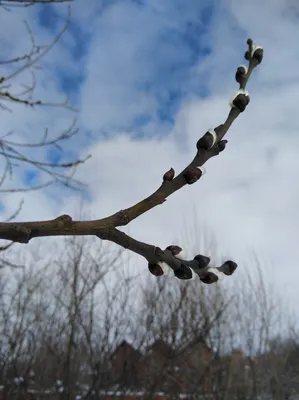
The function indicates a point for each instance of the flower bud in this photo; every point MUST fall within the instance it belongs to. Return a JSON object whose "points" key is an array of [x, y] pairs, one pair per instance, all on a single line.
{"points": [[155, 269], [241, 73], [229, 267], [207, 141], [247, 55], [169, 175], [178, 252], [221, 145], [216, 272], [167, 270], [209, 278], [203, 261], [159, 269], [184, 272], [258, 53], [240, 100], [193, 174]]}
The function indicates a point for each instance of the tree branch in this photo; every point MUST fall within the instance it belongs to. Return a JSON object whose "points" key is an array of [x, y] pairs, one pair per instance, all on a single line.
{"points": [[159, 261]]}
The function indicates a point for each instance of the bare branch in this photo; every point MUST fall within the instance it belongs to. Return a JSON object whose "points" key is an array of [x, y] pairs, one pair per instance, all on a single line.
{"points": [[208, 146], [16, 159], [36, 50], [9, 152]]}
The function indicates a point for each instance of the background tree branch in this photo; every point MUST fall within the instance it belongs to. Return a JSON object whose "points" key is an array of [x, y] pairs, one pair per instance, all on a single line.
{"points": [[15, 152]]}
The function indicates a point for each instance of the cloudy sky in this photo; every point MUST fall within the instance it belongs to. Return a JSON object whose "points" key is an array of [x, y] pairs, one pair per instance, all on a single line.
{"points": [[149, 78]]}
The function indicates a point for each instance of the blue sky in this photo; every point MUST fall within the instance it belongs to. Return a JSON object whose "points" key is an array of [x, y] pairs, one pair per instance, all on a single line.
{"points": [[171, 40], [149, 78]]}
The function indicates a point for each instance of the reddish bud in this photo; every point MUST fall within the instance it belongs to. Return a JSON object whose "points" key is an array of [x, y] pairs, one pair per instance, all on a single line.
{"points": [[155, 269], [169, 175], [193, 174], [175, 250], [209, 278]]}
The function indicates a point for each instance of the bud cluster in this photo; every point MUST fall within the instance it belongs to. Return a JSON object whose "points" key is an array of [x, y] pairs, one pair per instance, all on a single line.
{"points": [[185, 272], [254, 52]]}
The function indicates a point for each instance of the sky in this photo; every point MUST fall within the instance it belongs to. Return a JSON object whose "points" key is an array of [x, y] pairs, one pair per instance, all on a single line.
{"points": [[149, 78]]}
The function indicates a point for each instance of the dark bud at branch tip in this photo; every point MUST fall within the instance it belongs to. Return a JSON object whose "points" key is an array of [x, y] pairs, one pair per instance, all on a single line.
{"points": [[232, 266], [221, 145], [210, 278], [169, 175], [249, 42], [205, 142], [241, 101], [203, 261], [175, 250], [192, 175], [258, 55], [155, 269]]}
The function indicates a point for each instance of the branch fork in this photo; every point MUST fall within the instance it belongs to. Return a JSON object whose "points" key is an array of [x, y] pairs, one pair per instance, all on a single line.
{"points": [[172, 260]]}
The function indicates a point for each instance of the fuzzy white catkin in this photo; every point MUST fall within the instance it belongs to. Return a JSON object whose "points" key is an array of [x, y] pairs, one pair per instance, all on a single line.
{"points": [[166, 268], [236, 94], [202, 169], [214, 134], [245, 68], [217, 273], [194, 275], [255, 48], [182, 255]]}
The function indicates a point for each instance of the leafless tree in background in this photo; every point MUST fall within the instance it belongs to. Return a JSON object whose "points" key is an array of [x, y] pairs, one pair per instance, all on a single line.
{"points": [[18, 83], [80, 327], [15, 89]]}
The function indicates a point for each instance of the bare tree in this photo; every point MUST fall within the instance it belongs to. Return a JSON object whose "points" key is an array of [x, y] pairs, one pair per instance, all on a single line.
{"points": [[78, 326], [59, 320], [209, 145], [13, 91], [64, 323], [18, 82]]}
